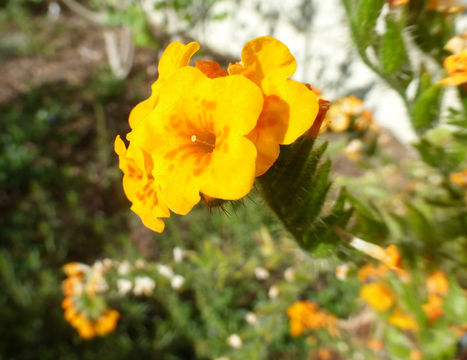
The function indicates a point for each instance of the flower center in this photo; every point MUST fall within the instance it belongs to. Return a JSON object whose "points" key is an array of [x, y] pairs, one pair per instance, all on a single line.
{"points": [[206, 142]]}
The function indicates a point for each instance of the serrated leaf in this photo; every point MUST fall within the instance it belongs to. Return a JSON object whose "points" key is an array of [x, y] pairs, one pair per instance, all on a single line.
{"points": [[426, 109], [365, 19], [392, 51]]}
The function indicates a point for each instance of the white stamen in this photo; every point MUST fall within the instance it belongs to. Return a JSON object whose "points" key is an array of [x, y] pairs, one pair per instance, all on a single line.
{"points": [[193, 138]]}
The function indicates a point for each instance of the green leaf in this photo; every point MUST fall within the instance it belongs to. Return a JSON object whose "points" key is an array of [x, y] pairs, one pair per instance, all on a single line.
{"points": [[392, 52], [426, 109], [296, 189], [365, 19]]}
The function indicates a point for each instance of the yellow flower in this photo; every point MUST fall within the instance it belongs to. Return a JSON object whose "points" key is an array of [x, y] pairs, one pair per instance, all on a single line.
{"points": [[457, 44], [437, 283], [459, 178], [67, 303], [434, 307], [107, 322], [337, 120], [403, 320], [370, 272], [196, 136], [86, 330], [175, 56], [456, 66], [416, 354], [71, 285], [70, 314], [305, 315], [377, 295], [394, 3], [289, 106], [140, 185], [74, 268], [375, 344]]}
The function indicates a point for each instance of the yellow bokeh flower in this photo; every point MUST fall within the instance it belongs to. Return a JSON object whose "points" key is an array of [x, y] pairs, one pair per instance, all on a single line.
{"points": [[370, 272], [196, 136], [74, 268], [107, 322], [415, 354], [140, 186], [459, 178], [289, 106], [377, 295], [306, 315], [403, 320], [456, 66], [86, 330], [434, 307], [437, 283], [375, 344], [395, 3]]}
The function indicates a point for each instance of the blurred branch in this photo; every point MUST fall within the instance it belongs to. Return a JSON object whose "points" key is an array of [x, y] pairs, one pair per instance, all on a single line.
{"points": [[119, 44], [120, 57], [95, 17]]}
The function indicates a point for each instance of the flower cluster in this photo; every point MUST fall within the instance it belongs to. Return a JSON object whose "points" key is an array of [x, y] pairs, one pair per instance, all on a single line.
{"points": [[381, 297], [84, 310], [348, 113], [376, 293], [307, 315], [437, 286], [206, 131], [87, 289]]}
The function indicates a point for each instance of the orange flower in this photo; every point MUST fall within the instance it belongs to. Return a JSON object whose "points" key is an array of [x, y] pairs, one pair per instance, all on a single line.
{"points": [[74, 268], [67, 303], [434, 307], [447, 6], [197, 143], [459, 178], [107, 322], [86, 330], [394, 3], [324, 354], [71, 286], [290, 108], [377, 295], [456, 66], [370, 272], [416, 354], [375, 344], [437, 283], [403, 320], [140, 186], [305, 315]]}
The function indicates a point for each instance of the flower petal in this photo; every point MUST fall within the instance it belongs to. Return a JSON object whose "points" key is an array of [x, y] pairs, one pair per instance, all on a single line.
{"points": [[302, 103], [265, 57], [175, 56]]}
